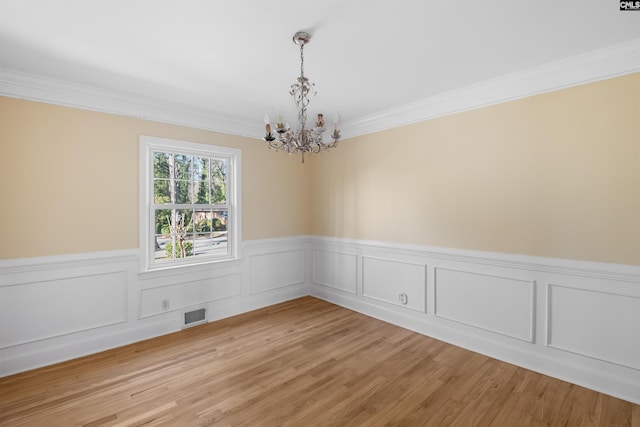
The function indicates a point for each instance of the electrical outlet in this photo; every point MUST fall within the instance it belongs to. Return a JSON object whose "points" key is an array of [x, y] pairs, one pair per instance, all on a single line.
{"points": [[164, 304], [404, 298]]}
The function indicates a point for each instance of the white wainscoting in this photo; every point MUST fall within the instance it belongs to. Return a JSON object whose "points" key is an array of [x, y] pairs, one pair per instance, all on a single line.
{"points": [[58, 308], [275, 270], [497, 304], [574, 320], [53, 307], [601, 324], [189, 293], [395, 282], [335, 269]]}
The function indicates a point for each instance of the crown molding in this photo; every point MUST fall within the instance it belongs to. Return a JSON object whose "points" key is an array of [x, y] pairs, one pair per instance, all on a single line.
{"points": [[614, 61], [601, 64], [17, 84]]}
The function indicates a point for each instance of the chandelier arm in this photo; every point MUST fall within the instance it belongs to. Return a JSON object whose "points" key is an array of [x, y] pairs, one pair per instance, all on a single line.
{"points": [[302, 116]]}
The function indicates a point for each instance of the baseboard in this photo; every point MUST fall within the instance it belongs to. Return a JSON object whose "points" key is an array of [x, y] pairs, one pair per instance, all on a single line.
{"points": [[63, 348]]}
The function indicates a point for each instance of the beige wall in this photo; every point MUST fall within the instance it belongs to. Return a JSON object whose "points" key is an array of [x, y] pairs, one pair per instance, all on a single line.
{"points": [[554, 175], [69, 180]]}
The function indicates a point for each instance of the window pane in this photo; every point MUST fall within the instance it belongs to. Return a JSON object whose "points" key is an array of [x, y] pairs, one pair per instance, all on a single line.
{"points": [[203, 245], [163, 221], [219, 220], [184, 246], [202, 220], [200, 168], [219, 243], [163, 236], [183, 192], [184, 221], [201, 191], [161, 193], [163, 248], [160, 165], [219, 169], [218, 181], [218, 193], [173, 238], [182, 166], [218, 187]]}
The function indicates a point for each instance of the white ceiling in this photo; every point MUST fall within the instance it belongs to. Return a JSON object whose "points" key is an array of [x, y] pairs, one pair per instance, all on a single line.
{"points": [[234, 60]]}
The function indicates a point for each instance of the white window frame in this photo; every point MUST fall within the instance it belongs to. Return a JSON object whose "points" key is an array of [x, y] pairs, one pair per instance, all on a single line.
{"points": [[149, 144]]}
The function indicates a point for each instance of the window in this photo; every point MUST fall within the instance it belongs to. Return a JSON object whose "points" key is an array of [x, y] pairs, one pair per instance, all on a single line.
{"points": [[189, 203]]}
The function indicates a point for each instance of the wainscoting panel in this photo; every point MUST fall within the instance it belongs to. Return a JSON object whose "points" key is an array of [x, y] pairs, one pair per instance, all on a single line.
{"points": [[597, 324], [335, 270], [187, 294], [45, 309], [396, 282], [277, 270], [496, 304]]}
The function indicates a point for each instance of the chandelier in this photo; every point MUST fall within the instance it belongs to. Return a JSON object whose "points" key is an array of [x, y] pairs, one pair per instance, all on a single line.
{"points": [[301, 140]]}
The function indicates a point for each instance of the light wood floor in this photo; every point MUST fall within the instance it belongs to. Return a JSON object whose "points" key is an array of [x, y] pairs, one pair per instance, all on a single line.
{"points": [[301, 363]]}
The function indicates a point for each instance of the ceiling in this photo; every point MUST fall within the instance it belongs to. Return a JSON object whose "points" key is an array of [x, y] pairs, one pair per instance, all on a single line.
{"points": [[233, 61]]}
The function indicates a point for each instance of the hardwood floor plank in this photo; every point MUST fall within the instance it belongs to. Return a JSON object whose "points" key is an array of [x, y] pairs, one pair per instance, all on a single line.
{"points": [[635, 417], [304, 362]]}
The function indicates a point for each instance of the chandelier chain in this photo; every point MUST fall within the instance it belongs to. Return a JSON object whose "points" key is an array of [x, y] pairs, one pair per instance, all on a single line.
{"points": [[302, 60]]}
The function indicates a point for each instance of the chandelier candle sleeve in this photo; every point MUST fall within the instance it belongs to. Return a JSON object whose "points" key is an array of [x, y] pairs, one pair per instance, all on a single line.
{"points": [[301, 140], [267, 125], [279, 124]]}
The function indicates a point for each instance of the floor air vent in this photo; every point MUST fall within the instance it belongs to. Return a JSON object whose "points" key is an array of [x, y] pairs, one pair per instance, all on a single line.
{"points": [[194, 317]]}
